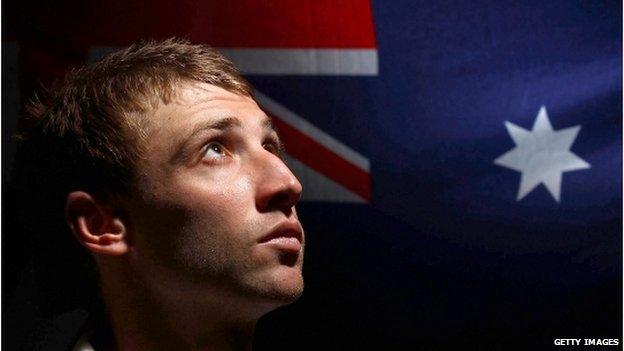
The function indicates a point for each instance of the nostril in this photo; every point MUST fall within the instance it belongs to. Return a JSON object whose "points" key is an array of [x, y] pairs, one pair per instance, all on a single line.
{"points": [[283, 201]]}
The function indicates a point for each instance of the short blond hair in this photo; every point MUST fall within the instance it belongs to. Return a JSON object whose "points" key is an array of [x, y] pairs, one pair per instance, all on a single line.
{"points": [[90, 125]]}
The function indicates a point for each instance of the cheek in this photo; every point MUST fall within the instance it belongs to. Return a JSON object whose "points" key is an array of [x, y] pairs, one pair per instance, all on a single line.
{"points": [[223, 204], [201, 229], [221, 219]]}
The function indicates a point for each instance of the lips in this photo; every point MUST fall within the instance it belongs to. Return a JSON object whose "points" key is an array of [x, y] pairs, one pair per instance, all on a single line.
{"points": [[286, 236]]}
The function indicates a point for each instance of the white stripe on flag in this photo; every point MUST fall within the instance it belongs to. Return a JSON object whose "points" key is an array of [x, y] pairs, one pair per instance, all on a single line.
{"points": [[344, 62], [317, 187], [313, 132]]}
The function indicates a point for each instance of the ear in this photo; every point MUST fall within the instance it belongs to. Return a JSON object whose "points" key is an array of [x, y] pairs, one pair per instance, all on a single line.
{"points": [[95, 226]]}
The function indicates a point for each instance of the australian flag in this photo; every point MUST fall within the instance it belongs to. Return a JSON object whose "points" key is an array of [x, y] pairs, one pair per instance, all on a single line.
{"points": [[461, 161]]}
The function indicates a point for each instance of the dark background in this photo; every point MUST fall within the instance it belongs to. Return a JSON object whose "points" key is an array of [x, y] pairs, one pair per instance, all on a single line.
{"points": [[443, 256]]}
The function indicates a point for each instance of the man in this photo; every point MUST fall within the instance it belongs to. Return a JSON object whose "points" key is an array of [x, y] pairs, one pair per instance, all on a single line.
{"points": [[172, 178]]}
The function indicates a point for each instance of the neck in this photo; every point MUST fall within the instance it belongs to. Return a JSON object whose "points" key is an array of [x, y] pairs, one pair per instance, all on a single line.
{"points": [[143, 320]]}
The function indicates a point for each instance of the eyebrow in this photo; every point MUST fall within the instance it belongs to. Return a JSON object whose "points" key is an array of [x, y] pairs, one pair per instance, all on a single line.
{"points": [[226, 123], [267, 123], [220, 124]]}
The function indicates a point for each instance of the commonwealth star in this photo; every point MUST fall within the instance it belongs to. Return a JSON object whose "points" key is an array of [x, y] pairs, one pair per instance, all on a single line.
{"points": [[541, 155]]}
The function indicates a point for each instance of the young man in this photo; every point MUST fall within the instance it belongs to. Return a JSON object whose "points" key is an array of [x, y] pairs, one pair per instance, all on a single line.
{"points": [[173, 179]]}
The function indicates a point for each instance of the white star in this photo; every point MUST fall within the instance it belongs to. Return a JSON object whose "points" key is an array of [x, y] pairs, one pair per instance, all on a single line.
{"points": [[541, 155]]}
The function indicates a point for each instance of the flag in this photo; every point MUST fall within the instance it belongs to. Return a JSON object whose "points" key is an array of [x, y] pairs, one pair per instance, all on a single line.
{"points": [[461, 161]]}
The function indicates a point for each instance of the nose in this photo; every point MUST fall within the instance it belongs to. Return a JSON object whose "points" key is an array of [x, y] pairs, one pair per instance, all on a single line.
{"points": [[277, 187]]}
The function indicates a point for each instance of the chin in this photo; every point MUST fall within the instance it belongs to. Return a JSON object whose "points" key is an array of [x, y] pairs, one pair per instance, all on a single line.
{"points": [[283, 287], [292, 293], [289, 284]]}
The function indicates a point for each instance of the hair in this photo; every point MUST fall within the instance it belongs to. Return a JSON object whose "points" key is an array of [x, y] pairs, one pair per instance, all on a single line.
{"points": [[87, 131], [93, 122]]}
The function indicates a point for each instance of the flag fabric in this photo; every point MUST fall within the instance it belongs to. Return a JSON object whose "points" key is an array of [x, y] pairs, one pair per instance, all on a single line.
{"points": [[461, 161]]}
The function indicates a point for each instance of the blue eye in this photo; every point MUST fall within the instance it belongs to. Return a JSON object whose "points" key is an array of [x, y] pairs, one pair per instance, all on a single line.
{"points": [[215, 150]]}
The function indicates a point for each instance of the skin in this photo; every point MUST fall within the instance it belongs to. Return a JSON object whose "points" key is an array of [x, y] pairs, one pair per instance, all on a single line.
{"points": [[181, 264]]}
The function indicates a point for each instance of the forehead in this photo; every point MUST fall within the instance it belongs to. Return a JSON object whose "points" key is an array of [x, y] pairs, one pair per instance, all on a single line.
{"points": [[191, 98], [193, 92], [198, 107], [195, 103]]}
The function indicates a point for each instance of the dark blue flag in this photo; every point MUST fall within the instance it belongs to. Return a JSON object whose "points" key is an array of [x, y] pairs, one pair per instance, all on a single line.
{"points": [[461, 161]]}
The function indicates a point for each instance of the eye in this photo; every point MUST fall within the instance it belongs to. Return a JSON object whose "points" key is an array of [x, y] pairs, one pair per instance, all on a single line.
{"points": [[214, 151], [274, 147], [270, 147]]}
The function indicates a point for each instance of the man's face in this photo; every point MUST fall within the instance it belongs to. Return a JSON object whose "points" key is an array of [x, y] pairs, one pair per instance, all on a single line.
{"points": [[214, 211]]}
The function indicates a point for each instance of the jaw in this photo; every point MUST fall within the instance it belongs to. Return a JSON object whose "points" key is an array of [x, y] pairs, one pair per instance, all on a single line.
{"points": [[277, 286]]}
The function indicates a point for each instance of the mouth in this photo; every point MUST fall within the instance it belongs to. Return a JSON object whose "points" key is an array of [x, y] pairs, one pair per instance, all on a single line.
{"points": [[286, 236]]}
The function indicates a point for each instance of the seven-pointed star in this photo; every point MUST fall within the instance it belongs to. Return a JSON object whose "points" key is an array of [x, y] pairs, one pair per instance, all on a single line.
{"points": [[541, 155]]}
